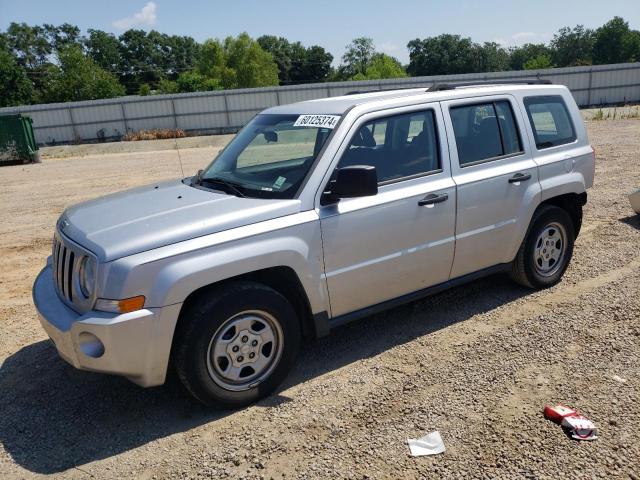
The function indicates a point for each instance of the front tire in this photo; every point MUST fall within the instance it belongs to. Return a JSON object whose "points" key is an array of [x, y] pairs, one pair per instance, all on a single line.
{"points": [[236, 344], [547, 249]]}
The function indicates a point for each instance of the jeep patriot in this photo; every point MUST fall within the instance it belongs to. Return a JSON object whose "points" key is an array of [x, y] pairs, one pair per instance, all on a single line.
{"points": [[316, 214]]}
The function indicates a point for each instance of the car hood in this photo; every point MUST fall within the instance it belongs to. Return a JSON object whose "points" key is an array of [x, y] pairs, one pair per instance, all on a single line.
{"points": [[156, 215]]}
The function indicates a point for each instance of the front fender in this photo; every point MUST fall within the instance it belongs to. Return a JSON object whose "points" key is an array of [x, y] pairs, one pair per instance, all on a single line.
{"points": [[169, 274]]}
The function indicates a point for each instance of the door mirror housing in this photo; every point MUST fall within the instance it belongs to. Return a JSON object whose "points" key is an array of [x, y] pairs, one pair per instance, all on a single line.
{"points": [[355, 181]]}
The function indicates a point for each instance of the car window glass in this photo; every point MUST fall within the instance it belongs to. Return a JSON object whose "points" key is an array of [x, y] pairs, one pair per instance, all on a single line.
{"points": [[398, 146], [291, 144], [270, 157], [550, 121], [477, 133], [484, 131], [378, 130], [510, 135]]}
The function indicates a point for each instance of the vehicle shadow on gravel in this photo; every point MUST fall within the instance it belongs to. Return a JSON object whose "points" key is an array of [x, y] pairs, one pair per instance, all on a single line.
{"points": [[55, 417], [633, 221]]}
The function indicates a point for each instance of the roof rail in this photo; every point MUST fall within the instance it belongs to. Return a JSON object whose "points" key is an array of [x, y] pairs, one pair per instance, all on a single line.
{"points": [[438, 87], [359, 92]]}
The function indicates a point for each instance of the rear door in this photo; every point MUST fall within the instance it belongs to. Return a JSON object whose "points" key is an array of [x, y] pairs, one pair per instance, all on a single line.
{"points": [[496, 178], [402, 239]]}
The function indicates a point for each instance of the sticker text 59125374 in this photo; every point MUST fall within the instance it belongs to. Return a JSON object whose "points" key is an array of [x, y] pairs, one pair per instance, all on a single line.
{"points": [[319, 121]]}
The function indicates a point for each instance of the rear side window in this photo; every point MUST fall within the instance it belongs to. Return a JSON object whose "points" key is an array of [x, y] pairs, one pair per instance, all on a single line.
{"points": [[550, 121], [485, 131]]}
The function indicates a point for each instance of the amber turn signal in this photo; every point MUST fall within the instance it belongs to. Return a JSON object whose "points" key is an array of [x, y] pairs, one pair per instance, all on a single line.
{"points": [[120, 306]]}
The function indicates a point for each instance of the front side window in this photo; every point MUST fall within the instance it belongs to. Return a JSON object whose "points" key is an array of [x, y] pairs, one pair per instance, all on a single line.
{"points": [[269, 158], [399, 146], [550, 121], [485, 132]]}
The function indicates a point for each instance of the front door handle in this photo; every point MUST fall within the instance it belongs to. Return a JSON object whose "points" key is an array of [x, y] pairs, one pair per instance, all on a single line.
{"points": [[433, 198], [520, 177]]}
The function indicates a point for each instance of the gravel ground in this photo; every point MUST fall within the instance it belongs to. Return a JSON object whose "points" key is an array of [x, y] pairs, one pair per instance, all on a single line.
{"points": [[477, 363]]}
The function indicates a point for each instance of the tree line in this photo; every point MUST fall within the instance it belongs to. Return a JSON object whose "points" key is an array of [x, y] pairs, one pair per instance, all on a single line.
{"points": [[48, 63]]}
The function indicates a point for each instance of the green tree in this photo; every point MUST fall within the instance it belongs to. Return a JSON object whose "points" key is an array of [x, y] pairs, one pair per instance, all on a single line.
{"points": [[615, 42], [33, 48], [144, 90], [442, 55], [297, 60], [296, 63], [491, 57], [168, 86], [140, 60], [571, 47], [632, 45], [173, 54], [518, 56], [30, 45], [212, 63], [253, 67], [357, 57], [62, 36], [104, 49], [538, 63], [316, 66], [196, 82], [15, 87], [280, 49], [238, 62], [78, 77], [382, 66]]}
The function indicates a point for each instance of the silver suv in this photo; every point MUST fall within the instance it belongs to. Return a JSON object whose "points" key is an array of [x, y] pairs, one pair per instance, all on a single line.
{"points": [[316, 214]]}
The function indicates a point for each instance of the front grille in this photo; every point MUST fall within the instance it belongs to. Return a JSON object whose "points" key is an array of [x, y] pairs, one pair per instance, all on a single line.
{"points": [[65, 262], [64, 266]]}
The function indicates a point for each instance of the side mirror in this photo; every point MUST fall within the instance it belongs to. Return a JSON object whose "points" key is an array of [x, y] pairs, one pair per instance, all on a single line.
{"points": [[270, 136], [355, 181]]}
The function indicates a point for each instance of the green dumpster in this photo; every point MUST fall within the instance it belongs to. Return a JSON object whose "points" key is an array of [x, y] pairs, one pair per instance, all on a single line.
{"points": [[17, 143]]}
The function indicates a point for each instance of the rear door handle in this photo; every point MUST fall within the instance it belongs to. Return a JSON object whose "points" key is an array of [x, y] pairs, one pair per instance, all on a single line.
{"points": [[520, 177], [433, 198]]}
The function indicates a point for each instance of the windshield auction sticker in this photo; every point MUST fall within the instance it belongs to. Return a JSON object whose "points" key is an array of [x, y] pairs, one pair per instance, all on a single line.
{"points": [[319, 121]]}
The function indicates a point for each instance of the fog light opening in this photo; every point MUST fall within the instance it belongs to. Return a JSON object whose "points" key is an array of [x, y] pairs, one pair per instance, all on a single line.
{"points": [[90, 345]]}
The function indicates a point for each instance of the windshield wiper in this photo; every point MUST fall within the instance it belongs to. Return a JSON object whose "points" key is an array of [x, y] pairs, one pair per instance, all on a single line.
{"points": [[231, 187]]}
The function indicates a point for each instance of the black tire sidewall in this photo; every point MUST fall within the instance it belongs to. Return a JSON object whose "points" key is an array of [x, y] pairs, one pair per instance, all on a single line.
{"points": [[204, 319], [544, 218]]}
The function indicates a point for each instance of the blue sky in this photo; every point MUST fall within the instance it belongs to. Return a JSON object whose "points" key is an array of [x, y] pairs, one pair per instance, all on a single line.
{"points": [[330, 23]]}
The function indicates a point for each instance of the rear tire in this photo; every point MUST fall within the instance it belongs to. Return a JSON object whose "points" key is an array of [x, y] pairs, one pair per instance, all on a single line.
{"points": [[547, 249], [236, 344]]}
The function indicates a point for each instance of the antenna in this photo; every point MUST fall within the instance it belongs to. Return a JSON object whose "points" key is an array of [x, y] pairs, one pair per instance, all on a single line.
{"points": [[175, 140]]}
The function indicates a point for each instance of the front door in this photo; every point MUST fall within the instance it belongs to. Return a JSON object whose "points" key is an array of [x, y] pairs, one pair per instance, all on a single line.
{"points": [[402, 239]]}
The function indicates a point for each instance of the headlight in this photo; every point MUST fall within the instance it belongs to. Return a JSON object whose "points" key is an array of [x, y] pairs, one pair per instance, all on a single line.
{"points": [[87, 276]]}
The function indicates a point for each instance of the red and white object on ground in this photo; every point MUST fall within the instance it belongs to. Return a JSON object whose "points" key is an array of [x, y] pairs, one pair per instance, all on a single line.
{"points": [[579, 426]]}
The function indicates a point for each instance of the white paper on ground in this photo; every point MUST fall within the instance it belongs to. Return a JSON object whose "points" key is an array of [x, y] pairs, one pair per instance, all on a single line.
{"points": [[430, 444]]}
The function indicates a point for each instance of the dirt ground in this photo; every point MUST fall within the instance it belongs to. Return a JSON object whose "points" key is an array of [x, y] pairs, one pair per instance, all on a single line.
{"points": [[477, 363]]}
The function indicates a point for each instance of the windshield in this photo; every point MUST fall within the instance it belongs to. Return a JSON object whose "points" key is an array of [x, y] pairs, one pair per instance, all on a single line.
{"points": [[270, 157]]}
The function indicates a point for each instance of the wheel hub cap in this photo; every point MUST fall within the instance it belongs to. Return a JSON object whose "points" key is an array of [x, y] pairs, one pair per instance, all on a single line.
{"points": [[549, 249], [244, 350]]}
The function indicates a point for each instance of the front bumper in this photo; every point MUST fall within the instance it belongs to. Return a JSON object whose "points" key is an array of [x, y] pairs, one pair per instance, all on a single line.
{"points": [[136, 344]]}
